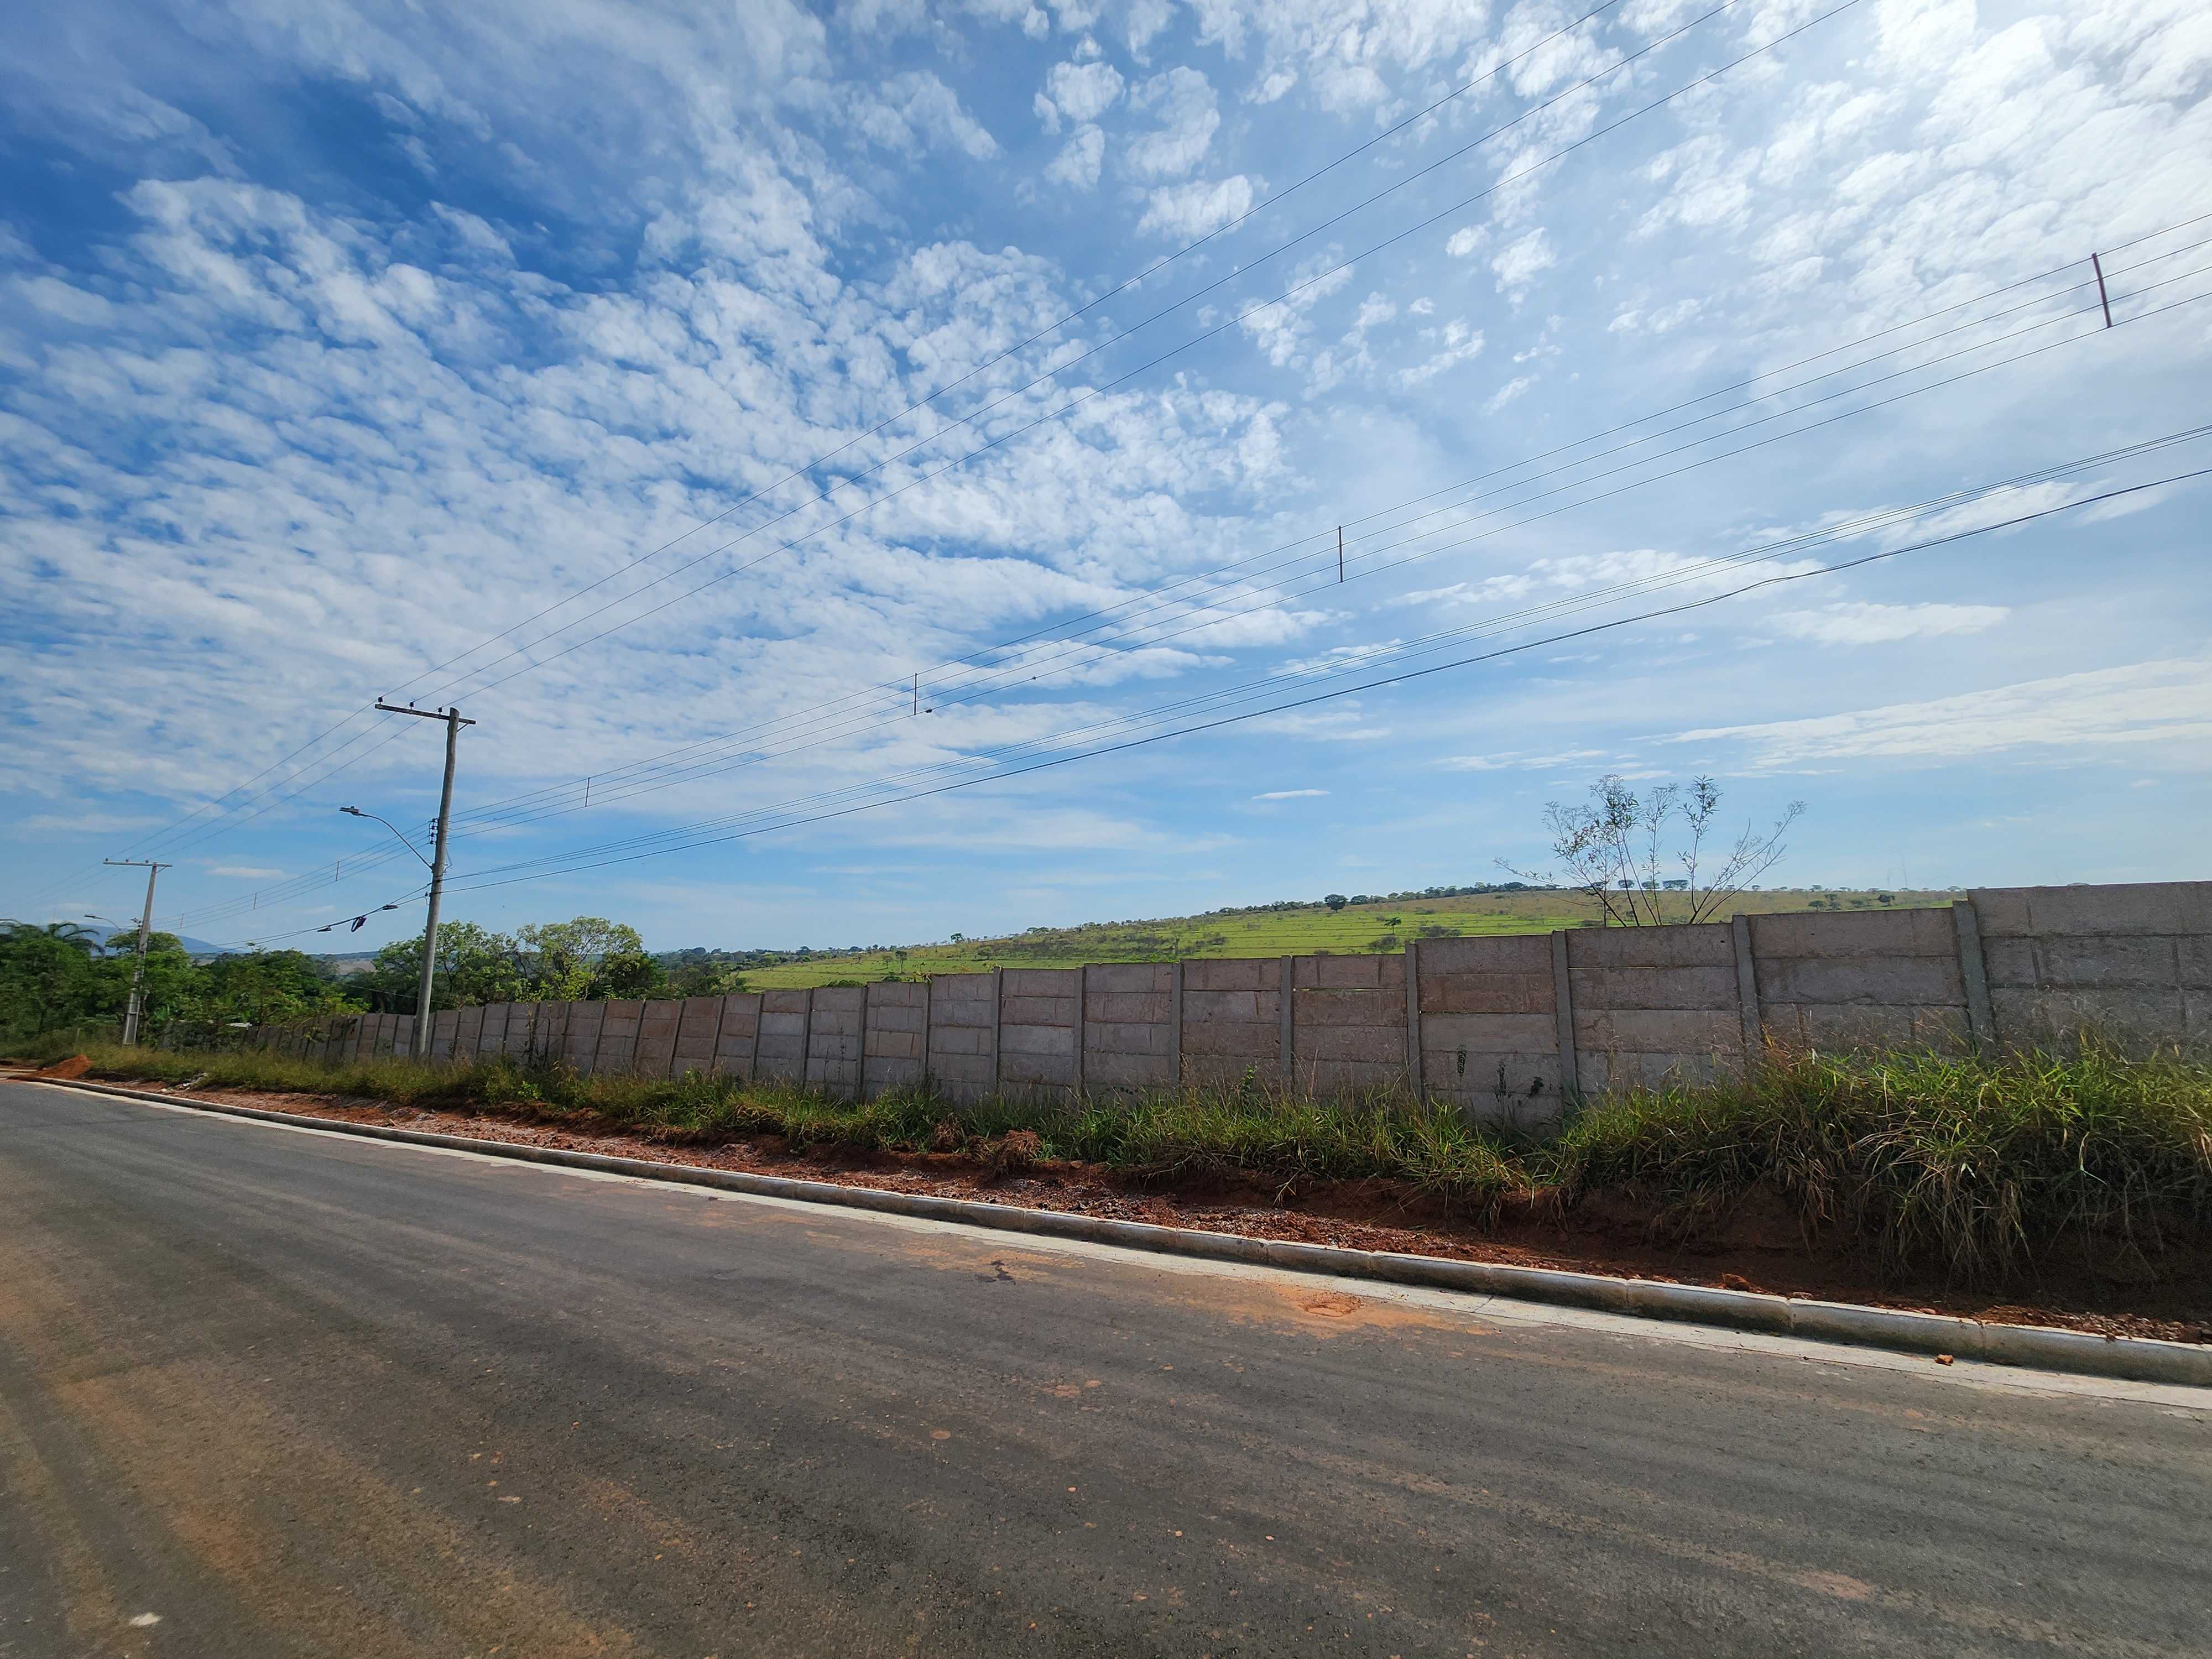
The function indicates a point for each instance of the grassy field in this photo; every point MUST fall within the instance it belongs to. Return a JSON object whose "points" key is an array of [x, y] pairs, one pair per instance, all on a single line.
{"points": [[1980, 1171], [1383, 926]]}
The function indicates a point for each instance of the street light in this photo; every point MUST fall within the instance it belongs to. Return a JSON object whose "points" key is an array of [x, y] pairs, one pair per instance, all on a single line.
{"points": [[355, 811]]}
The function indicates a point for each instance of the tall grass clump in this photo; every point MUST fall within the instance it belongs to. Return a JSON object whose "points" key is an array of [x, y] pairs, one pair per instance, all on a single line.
{"points": [[1981, 1168]]}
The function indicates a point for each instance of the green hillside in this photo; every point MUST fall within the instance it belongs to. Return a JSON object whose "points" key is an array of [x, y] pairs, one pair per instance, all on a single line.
{"points": [[1375, 926]]}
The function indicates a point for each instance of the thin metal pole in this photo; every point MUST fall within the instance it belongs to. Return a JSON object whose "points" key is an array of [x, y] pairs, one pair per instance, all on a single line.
{"points": [[138, 1003], [2098, 266]]}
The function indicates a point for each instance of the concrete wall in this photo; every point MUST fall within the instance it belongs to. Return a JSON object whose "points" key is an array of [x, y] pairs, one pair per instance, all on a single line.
{"points": [[2134, 961], [1505, 1028]]}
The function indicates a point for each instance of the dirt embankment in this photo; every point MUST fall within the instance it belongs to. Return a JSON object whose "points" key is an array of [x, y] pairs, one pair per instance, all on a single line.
{"points": [[1759, 1248]]}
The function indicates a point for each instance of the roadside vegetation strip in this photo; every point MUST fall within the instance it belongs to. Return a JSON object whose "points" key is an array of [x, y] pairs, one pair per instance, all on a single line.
{"points": [[1975, 1172], [2133, 1359]]}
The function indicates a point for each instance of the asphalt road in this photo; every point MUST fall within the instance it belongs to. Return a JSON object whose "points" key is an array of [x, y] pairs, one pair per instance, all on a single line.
{"points": [[291, 1394]]}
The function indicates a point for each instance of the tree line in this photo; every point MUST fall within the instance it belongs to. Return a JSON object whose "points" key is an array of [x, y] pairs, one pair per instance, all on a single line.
{"points": [[60, 976]]}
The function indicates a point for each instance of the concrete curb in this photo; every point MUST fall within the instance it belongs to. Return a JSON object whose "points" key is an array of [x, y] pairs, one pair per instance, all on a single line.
{"points": [[2141, 1359]]}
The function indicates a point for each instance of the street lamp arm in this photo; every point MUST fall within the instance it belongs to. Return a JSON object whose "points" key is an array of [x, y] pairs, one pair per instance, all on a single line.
{"points": [[356, 812]]}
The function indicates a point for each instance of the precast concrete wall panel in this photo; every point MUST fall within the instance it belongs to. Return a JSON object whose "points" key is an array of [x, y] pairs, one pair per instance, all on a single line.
{"points": [[444, 1026], [1128, 1032], [550, 1041], [579, 1044], [1654, 1005], [492, 1039], [1859, 979], [1232, 1020], [737, 1039], [1489, 1028], [615, 1051], [1348, 1022], [896, 1053], [698, 1026], [2131, 963], [1038, 1017], [656, 1037], [962, 1027], [836, 1040], [783, 1035], [468, 1034]]}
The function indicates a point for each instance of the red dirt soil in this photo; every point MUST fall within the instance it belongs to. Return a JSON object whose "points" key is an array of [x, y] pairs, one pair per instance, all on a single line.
{"points": [[1760, 1248]]}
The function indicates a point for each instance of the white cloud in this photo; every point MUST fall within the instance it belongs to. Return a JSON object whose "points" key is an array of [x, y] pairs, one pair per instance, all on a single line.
{"points": [[1521, 261], [248, 873], [1466, 239], [1292, 794], [2167, 703], [1456, 342], [1879, 624], [1183, 101], [1078, 93], [1186, 211], [1506, 393], [1078, 163]]}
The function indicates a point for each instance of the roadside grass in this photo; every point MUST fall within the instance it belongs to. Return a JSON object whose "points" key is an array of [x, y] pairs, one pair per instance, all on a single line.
{"points": [[1981, 1171]]}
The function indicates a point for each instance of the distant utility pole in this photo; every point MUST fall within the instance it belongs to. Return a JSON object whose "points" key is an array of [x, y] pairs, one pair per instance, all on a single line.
{"points": [[454, 724], [145, 931]]}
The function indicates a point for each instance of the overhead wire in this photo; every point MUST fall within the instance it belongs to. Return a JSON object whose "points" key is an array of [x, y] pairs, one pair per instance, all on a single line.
{"points": [[1167, 593], [468, 885], [1211, 618], [1272, 203]]}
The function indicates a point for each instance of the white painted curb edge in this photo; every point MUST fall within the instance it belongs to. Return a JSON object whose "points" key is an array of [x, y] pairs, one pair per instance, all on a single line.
{"points": [[2142, 1359]]}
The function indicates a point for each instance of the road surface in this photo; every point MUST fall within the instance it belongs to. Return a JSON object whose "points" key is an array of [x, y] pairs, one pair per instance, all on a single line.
{"points": [[268, 1392]]}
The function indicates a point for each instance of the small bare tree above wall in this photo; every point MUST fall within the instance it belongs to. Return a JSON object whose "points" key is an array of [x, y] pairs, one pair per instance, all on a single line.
{"points": [[1643, 858]]}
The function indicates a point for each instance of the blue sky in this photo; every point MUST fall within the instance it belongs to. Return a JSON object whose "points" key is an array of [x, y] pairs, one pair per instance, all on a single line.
{"points": [[343, 344]]}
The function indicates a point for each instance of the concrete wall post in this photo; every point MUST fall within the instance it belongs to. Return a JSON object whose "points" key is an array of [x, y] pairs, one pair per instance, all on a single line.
{"points": [[1974, 975], [806, 1039], [997, 1021], [928, 1018], [1289, 1040], [1081, 1022], [867, 1009], [1562, 1002], [1413, 1063], [1746, 992], [1174, 1018]]}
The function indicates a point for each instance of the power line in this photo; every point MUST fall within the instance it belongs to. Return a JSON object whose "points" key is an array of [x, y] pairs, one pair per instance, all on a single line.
{"points": [[1376, 685], [1849, 529], [1020, 346], [1210, 618], [692, 770], [1160, 596], [1289, 293]]}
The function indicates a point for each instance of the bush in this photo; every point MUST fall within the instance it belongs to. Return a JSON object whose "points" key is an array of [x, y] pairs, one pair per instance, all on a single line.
{"points": [[1980, 1169]]}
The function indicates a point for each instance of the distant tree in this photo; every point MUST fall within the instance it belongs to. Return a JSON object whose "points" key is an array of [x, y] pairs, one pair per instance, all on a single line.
{"points": [[1617, 847], [474, 966], [705, 978], [47, 977], [577, 961], [1336, 901]]}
